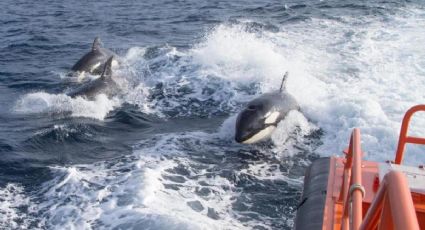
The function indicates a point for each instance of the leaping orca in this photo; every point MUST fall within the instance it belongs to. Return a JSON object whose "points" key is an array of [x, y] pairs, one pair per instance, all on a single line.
{"points": [[94, 61], [258, 120], [104, 84]]}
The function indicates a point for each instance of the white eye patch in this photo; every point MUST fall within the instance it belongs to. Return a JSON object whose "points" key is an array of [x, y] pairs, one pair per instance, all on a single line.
{"points": [[271, 117], [94, 67]]}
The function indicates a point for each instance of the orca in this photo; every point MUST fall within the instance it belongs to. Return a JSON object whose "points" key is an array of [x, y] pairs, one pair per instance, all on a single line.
{"points": [[92, 62], [258, 120], [102, 85]]}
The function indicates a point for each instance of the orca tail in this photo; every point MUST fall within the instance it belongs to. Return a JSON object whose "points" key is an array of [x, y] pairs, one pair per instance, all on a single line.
{"points": [[283, 84], [96, 44], [107, 70]]}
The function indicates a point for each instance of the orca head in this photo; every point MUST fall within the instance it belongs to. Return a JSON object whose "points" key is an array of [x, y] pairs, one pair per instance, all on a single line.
{"points": [[255, 123]]}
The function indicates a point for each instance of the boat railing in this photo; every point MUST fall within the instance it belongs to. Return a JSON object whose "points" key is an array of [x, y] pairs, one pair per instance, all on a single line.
{"points": [[404, 138], [392, 207], [352, 191]]}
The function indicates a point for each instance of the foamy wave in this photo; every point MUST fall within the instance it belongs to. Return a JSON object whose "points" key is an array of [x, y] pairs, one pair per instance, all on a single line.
{"points": [[164, 185], [290, 132], [136, 190], [59, 103], [13, 202], [368, 74], [237, 55]]}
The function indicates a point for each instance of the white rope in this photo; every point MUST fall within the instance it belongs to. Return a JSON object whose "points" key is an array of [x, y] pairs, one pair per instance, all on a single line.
{"points": [[355, 187]]}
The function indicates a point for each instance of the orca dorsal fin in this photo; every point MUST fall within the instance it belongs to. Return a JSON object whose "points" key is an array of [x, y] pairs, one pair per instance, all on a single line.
{"points": [[96, 44], [283, 84], [107, 70]]}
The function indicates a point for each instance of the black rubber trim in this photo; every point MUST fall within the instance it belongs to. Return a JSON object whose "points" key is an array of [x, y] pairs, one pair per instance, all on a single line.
{"points": [[312, 203]]}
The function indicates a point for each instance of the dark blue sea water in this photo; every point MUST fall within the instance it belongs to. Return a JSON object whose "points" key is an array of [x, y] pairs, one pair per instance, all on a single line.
{"points": [[162, 155]]}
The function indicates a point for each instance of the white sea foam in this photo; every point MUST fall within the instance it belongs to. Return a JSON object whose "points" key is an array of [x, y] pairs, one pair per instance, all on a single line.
{"points": [[291, 131], [135, 191], [370, 80], [42, 102], [13, 199], [159, 186], [236, 55]]}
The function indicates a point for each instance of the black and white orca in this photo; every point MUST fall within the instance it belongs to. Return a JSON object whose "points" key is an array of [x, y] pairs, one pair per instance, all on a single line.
{"points": [[258, 120], [102, 85], [92, 62]]}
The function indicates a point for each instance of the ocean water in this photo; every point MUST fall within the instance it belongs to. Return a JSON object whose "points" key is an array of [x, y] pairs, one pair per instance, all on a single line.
{"points": [[162, 155]]}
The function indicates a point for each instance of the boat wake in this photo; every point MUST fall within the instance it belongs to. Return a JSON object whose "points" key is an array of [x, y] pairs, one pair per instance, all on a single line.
{"points": [[345, 70]]}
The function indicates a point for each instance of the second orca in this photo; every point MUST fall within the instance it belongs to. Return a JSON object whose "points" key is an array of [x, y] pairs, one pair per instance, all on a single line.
{"points": [[104, 84], [92, 62]]}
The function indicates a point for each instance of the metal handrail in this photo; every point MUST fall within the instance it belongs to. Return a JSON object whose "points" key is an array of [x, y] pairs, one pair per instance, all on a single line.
{"points": [[392, 207], [403, 139], [352, 190]]}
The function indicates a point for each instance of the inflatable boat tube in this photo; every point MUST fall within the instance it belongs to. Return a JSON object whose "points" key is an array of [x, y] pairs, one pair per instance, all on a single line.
{"points": [[312, 204]]}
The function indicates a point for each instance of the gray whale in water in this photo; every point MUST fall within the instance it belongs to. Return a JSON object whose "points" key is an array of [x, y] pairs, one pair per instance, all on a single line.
{"points": [[258, 120], [102, 85], [92, 62]]}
